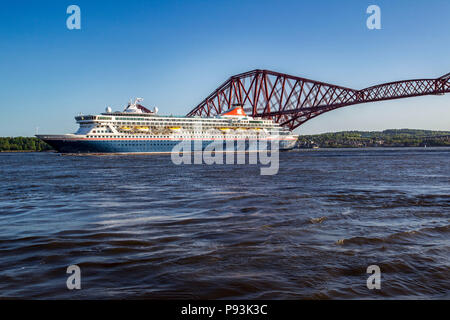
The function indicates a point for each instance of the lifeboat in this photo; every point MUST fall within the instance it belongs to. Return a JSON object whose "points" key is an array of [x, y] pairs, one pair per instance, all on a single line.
{"points": [[224, 129], [142, 129], [125, 128], [175, 128]]}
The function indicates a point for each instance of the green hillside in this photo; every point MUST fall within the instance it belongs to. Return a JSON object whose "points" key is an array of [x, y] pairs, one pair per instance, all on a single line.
{"points": [[386, 138]]}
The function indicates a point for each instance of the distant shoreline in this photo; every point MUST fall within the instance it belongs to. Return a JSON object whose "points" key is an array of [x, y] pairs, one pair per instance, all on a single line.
{"points": [[23, 144], [26, 151], [392, 138]]}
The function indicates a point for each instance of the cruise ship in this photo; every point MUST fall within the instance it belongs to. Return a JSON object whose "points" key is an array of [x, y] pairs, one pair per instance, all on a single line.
{"points": [[137, 129]]}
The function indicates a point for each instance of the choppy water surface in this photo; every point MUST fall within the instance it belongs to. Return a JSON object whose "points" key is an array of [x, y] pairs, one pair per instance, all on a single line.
{"points": [[142, 227]]}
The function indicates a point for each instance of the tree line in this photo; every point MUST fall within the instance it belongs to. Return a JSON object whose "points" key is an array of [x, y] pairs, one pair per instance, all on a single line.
{"points": [[386, 138], [23, 144]]}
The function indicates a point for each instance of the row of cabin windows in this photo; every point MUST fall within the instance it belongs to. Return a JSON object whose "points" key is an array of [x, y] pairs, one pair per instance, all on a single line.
{"points": [[143, 137], [185, 125], [190, 123], [222, 122], [140, 144], [177, 120]]}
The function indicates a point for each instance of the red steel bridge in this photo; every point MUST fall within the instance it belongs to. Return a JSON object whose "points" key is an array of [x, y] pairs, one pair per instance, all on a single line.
{"points": [[291, 101]]}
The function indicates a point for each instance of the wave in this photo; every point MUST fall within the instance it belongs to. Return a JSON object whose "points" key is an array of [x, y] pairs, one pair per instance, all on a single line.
{"points": [[398, 237]]}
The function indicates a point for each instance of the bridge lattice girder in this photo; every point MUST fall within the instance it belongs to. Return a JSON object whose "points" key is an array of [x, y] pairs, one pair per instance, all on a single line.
{"points": [[291, 101]]}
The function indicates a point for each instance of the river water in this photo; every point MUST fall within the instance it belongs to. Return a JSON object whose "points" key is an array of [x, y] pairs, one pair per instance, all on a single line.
{"points": [[142, 227]]}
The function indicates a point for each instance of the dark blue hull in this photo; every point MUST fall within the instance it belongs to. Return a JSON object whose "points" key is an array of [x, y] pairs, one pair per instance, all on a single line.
{"points": [[145, 145]]}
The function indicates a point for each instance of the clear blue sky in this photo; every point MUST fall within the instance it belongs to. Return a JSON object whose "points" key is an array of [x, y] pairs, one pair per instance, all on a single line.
{"points": [[174, 53]]}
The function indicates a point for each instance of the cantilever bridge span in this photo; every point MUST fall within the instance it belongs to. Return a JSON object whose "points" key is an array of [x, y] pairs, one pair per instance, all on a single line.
{"points": [[291, 101]]}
